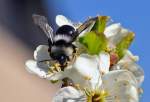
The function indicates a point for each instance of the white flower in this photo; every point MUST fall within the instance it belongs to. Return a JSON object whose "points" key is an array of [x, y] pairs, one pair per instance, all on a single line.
{"points": [[69, 94], [84, 72], [92, 80], [83, 68], [86, 69], [117, 86], [37, 67], [41, 68], [32, 67], [121, 86], [115, 33], [41, 53], [104, 62], [128, 62]]}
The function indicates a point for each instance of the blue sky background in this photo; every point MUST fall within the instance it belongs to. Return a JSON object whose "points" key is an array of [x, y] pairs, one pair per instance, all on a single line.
{"points": [[132, 14]]}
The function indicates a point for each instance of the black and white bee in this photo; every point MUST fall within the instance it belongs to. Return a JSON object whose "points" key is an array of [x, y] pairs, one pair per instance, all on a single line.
{"points": [[61, 47]]}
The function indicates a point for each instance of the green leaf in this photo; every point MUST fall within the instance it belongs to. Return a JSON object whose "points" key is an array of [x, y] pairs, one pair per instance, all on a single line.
{"points": [[94, 42], [100, 24], [124, 44]]}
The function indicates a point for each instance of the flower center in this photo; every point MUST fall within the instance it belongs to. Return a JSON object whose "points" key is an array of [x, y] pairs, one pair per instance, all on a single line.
{"points": [[97, 96]]}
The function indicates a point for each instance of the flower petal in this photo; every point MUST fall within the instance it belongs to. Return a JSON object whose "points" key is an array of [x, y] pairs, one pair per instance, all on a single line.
{"points": [[121, 86], [104, 62], [41, 53], [85, 71], [62, 20], [123, 91], [112, 77], [115, 33], [118, 37], [128, 58], [69, 94], [56, 76], [128, 63], [112, 30], [31, 66]]}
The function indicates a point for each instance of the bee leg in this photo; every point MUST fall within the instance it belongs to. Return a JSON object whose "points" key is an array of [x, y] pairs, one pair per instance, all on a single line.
{"points": [[57, 67], [65, 82]]}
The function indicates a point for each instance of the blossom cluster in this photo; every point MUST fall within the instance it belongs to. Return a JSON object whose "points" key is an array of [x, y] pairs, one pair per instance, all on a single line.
{"points": [[102, 70]]}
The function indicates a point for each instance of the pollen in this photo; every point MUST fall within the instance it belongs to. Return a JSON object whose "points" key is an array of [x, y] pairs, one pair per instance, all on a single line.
{"points": [[97, 96], [87, 78], [77, 86], [57, 67]]}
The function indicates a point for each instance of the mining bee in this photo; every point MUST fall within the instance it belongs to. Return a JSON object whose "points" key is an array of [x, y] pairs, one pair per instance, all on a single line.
{"points": [[61, 47]]}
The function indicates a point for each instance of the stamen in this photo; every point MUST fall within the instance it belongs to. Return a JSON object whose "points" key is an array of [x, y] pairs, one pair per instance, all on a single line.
{"points": [[77, 86], [96, 95], [51, 69], [87, 78], [87, 93]]}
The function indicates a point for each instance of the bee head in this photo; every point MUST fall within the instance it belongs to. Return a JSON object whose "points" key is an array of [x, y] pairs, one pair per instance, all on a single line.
{"points": [[60, 57], [62, 54]]}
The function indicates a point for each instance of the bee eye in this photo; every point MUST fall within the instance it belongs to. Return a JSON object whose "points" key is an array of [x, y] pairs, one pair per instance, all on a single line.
{"points": [[60, 57], [71, 32]]}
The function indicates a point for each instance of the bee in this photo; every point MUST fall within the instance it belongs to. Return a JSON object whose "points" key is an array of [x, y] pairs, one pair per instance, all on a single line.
{"points": [[61, 47]]}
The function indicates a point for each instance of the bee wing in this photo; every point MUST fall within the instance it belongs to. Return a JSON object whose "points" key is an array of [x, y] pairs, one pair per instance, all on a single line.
{"points": [[42, 22], [62, 20], [86, 25], [77, 25]]}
